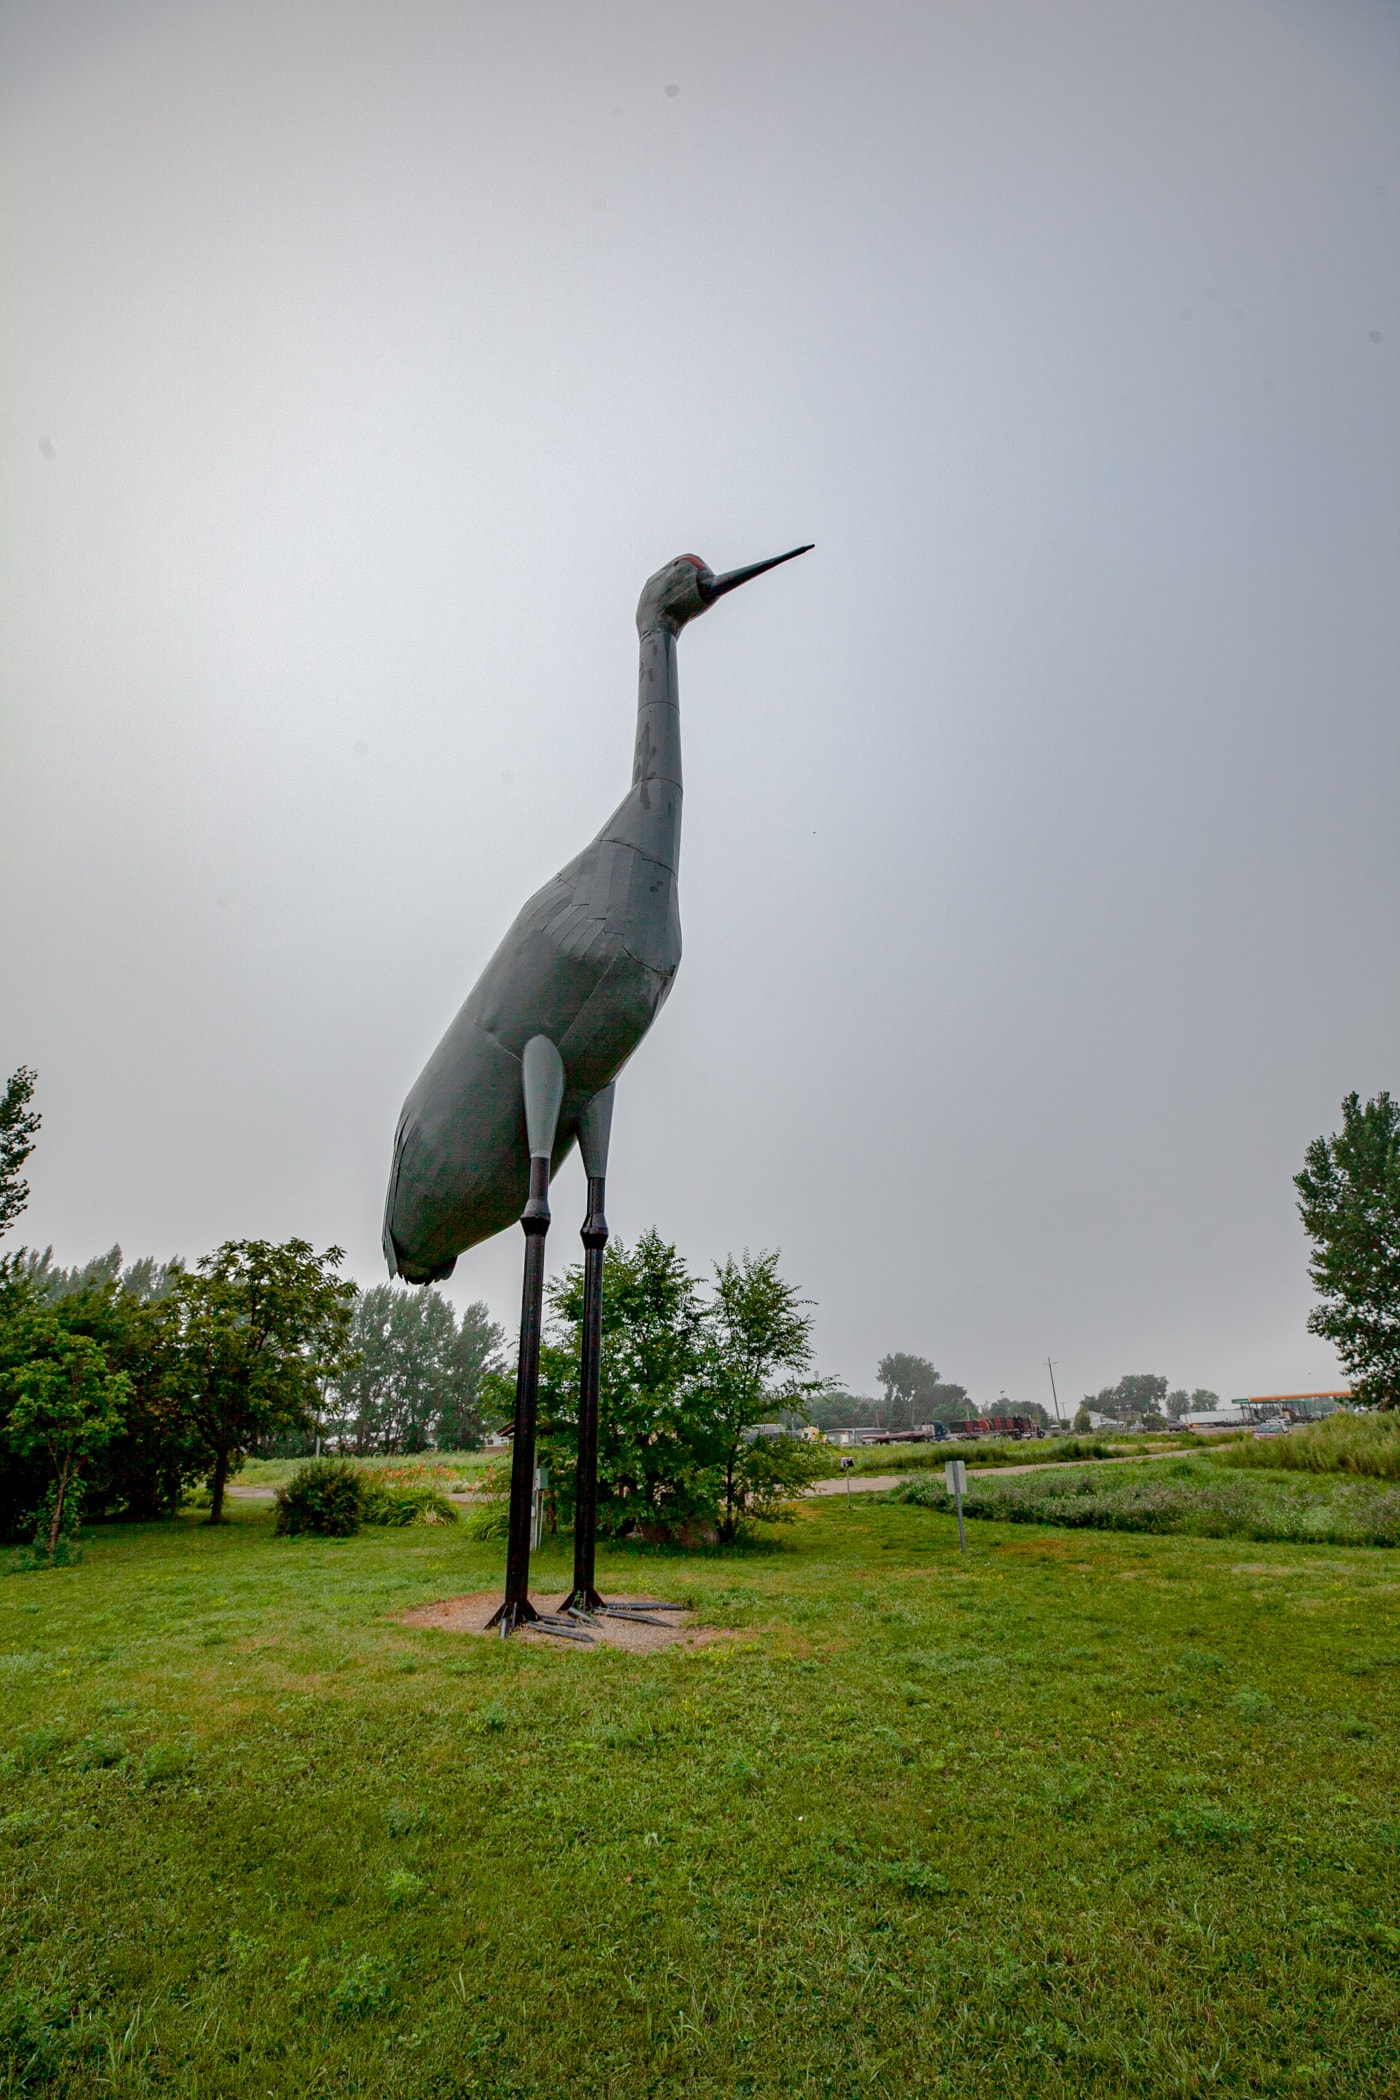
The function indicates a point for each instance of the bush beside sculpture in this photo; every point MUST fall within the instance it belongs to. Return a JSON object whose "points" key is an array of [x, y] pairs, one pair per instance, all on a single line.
{"points": [[386, 1503], [687, 1375], [325, 1497], [331, 1498]]}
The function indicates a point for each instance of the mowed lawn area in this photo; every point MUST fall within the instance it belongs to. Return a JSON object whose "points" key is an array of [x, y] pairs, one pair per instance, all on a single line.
{"points": [[1084, 1813]]}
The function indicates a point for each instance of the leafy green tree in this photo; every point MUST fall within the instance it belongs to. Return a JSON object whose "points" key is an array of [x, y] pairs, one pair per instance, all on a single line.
{"points": [[757, 1347], [143, 1471], [1349, 1202], [476, 1355], [905, 1380], [840, 1410], [19, 1125], [1138, 1395], [682, 1381], [767, 1474], [415, 1375], [144, 1280], [1198, 1402], [396, 1385], [67, 1403], [652, 1474], [915, 1392], [260, 1329]]}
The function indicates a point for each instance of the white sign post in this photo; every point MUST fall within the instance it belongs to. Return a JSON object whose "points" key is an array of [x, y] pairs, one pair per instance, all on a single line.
{"points": [[955, 1480], [846, 1465], [537, 1513]]}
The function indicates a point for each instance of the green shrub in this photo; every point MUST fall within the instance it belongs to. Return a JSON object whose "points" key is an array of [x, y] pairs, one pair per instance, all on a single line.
{"points": [[490, 1524], [67, 1549], [333, 1497], [381, 1502], [325, 1496]]}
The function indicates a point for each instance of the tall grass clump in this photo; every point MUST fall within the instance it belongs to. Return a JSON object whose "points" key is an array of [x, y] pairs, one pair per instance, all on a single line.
{"points": [[1368, 1444]]}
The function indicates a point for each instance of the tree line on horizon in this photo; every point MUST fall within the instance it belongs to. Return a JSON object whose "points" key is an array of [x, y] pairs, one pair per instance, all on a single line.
{"points": [[124, 1385], [120, 1386], [915, 1393]]}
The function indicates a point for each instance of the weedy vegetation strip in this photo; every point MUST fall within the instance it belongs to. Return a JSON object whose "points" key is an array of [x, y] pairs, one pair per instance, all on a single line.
{"points": [[1199, 1497], [1084, 1813], [1368, 1444]]}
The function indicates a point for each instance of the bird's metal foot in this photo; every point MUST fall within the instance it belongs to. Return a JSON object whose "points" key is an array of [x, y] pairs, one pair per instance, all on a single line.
{"points": [[563, 1628], [511, 1614], [640, 1604], [583, 1600]]}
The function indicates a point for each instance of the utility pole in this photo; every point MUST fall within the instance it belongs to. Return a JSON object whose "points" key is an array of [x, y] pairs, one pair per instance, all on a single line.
{"points": [[1053, 1394]]}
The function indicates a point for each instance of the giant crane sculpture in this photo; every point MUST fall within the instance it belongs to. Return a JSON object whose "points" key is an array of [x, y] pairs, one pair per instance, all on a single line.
{"points": [[528, 1065]]}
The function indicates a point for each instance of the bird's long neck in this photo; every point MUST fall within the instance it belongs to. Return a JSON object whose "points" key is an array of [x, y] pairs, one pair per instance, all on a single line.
{"points": [[650, 818]]}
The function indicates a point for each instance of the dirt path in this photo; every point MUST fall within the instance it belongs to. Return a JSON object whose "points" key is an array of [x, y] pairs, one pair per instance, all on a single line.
{"points": [[1056, 1465], [861, 1483], [866, 1484], [871, 1483]]}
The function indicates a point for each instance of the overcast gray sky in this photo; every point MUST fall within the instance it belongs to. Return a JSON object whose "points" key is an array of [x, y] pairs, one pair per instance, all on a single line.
{"points": [[1041, 865]]}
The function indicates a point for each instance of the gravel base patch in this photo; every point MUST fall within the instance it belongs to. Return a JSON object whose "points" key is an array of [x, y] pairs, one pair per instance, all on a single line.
{"points": [[470, 1614]]}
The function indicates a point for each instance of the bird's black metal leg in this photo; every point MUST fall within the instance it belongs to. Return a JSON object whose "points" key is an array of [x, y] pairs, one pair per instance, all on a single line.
{"points": [[594, 1132], [517, 1610], [583, 1596], [544, 1087]]}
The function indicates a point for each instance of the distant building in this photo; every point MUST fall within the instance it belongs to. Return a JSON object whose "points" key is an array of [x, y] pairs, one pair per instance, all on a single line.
{"points": [[1293, 1407], [1268, 1407]]}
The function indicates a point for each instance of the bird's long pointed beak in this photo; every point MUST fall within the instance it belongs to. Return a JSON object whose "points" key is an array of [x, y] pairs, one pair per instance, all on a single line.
{"points": [[715, 587]]}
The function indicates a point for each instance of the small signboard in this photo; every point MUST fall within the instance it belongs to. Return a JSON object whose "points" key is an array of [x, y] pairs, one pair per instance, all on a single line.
{"points": [[537, 1508], [955, 1476]]}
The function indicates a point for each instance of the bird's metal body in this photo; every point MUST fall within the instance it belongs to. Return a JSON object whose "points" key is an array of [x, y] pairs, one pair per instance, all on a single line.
{"points": [[527, 1068], [587, 964]]}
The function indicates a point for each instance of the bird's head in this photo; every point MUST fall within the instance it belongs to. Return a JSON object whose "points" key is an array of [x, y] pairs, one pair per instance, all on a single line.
{"points": [[687, 586]]}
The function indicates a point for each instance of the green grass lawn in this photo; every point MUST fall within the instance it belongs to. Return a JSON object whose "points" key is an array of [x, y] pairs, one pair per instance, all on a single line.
{"points": [[1085, 1813]]}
